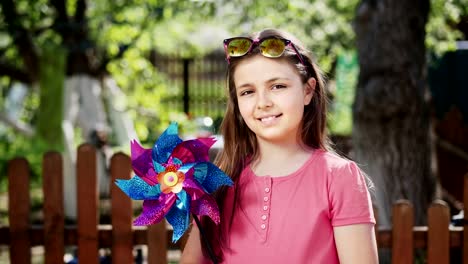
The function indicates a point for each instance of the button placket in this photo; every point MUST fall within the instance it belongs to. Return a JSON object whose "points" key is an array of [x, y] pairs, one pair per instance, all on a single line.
{"points": [[265, 209]]}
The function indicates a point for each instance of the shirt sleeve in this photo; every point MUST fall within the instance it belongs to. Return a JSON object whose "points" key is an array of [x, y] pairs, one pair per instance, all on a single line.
{"points": [[349, 198]]}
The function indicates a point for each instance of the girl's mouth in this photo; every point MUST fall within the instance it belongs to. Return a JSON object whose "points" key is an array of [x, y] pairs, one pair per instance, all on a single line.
{"points": [[269, 118]]}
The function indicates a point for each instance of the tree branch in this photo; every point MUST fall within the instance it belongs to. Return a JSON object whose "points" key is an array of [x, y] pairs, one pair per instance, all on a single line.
{"points": [[14, 73], [107, 59], [122, 49], [21, 37], [61, 20], [20, 127], [80, 11]]}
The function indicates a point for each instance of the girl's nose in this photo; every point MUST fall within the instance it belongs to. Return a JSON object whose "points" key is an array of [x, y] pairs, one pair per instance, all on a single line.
{"points": [[264, 100]]}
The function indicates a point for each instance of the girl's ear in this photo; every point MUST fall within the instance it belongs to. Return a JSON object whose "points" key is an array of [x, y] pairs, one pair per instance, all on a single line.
{"points": [[309, 88]]}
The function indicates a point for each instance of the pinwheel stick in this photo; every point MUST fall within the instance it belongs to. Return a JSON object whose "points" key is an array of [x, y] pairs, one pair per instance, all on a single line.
{"points": [[205, 240]]}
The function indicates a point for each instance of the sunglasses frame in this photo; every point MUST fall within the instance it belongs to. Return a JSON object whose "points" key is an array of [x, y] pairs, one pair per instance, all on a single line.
{"points": [[258, 42]]}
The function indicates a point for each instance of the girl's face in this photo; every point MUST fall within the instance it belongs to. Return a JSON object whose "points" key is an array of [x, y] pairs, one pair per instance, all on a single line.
{"points": [[271, 98]]}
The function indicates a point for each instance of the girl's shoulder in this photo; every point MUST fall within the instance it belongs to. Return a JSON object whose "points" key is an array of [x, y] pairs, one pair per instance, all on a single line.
{"points": [[336, 166], [332, 160]]}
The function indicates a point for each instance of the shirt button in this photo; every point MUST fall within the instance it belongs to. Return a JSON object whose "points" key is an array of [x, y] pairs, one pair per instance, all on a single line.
{"points": [[265, 208], [264, 217], [265, 198], [267, 190], [263, 226]]}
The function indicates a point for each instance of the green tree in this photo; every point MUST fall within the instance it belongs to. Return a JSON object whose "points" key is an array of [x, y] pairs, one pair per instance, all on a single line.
{"points": [[43, 43], [391, 113], [391, 133]]}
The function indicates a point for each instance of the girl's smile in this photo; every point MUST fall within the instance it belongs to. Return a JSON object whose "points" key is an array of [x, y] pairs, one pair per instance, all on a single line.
{"points": [[267, 120]]}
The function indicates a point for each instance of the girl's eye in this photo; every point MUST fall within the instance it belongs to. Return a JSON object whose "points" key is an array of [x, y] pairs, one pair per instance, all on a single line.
{"points": [[246, 92], [278, 86]]}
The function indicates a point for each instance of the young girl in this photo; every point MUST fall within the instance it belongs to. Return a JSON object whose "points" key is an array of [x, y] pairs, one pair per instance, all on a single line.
{"points": [[293, 200]]}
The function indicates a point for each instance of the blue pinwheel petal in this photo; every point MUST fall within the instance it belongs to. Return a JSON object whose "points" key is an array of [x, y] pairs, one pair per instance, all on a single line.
{"points": [[186, 167], [137, 189], [210, 177], [179, 215], [177, 161], [166, 143], [158, 167]]}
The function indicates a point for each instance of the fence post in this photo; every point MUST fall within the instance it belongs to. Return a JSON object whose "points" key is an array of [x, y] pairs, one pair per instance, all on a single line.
{"points": [[186, 76], [54, 218], [438, 233], [18, 211], [121, 212], [402, 232], [87, 201], [157, 243]]}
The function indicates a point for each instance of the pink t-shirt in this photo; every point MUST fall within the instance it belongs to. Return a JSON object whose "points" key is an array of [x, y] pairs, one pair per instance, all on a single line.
{"points": [[290, 219]]}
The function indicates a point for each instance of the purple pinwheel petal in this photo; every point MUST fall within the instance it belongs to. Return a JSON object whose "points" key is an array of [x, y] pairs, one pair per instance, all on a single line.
{"points": [[195, 150], [142, 163], [206, 205], [194, 190], [155, 210]]}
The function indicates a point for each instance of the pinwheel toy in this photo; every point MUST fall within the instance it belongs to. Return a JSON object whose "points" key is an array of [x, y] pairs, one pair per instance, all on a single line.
{"points": [[174, 179]]}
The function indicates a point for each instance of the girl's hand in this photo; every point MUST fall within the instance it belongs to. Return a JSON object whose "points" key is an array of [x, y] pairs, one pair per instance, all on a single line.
{"points": [[192, 253]]}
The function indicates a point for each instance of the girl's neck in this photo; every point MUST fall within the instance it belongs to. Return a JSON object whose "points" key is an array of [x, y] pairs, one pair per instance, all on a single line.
{"points": [[277, 160]]}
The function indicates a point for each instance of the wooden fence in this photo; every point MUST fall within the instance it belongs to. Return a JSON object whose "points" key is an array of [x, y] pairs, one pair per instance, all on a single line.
{"points": [[439, 238]]}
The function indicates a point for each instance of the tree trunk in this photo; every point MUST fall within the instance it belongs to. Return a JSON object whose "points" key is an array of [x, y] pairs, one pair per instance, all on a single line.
{"points": [[51, 81], [391, 133]]}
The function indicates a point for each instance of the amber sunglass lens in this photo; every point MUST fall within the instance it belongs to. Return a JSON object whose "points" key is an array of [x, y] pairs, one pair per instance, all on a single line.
{"points": [[272, 48], [238, 47]]}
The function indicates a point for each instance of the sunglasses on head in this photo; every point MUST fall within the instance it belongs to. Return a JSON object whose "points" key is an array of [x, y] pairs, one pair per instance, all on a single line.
{"points": [[270, 47]]}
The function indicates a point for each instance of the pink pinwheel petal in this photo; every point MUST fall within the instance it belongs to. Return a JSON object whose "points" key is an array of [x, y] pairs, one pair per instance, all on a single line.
{"points": [[195, 150], [155, 210], [193, 189], [141, 158], [209, 141], [151, 177], [206, 205], [142, 163]]}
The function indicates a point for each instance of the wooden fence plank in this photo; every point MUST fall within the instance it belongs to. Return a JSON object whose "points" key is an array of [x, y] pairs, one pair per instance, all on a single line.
{"points": [[54, 217], [465, 220], [402, 232], [438, 238], [157, 243], [121, 212], [87, 201], [18, 210]]}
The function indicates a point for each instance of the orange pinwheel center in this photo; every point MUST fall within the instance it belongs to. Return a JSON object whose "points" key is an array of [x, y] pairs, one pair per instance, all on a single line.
{"points": [[171, 181]]}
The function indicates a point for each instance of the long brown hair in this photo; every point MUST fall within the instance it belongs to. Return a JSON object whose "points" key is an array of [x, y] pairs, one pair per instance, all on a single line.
{"points": [[240, 143]]}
